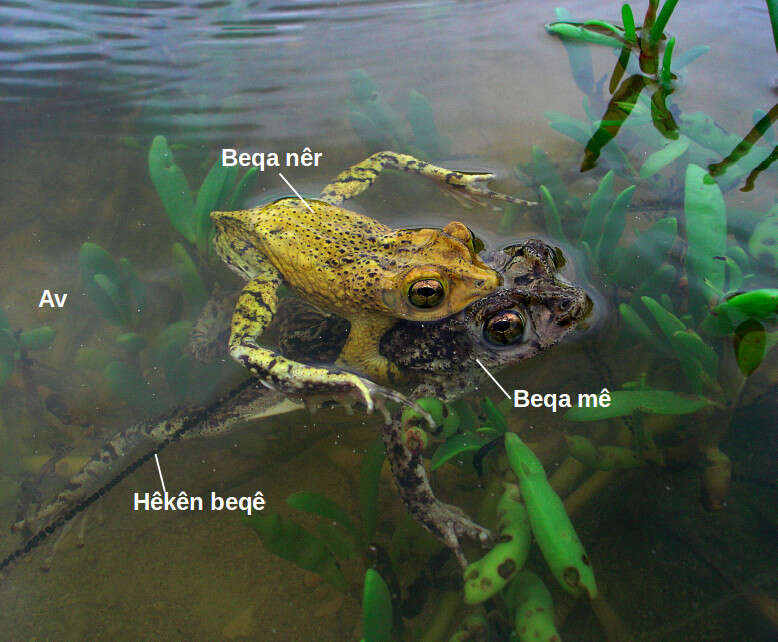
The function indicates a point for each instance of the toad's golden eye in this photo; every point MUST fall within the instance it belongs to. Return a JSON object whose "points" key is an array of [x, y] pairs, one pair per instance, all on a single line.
{"points": [[426, 293], [504, 328]]}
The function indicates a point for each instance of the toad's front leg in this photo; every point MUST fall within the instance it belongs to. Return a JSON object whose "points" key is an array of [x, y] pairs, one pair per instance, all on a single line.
{"points": [[447, 523], [255, 308]]}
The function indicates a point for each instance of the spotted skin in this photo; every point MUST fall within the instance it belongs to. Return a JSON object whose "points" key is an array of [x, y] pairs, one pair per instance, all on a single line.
{"points": [[361, 176], [348, 264]]}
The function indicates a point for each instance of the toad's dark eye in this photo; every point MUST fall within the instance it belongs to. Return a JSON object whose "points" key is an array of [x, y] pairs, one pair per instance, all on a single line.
{"points": [[504, 328], [426, 293]]}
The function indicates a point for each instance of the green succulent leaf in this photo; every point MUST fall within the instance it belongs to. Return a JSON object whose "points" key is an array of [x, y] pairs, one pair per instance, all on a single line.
{"points": [[192, 287], [172, 187], [37, 338], [317, 504], [586, 33], [660, 281], [131, 342], [92, 359], [290, 541], [750, 344], [494, 417], [662, 158], [105, 294], [245, 185], [455, 446], [551, 214], [216, 185], [625, 402], [599, 207], [131, 283], [376, 608], [93, 259], [706, 235], [613, 226]]}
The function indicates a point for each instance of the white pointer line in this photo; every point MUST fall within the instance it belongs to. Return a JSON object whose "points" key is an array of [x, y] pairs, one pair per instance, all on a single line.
{"points": [[296, 192], [478, 361], [160, 472]]}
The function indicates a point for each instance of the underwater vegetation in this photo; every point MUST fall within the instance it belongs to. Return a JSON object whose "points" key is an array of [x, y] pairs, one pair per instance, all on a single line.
{"points": [[691, 281], [379, 126]]}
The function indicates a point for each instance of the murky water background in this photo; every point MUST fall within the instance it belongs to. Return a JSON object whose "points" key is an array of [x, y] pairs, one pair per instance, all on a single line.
{"points": [[85, 87]]}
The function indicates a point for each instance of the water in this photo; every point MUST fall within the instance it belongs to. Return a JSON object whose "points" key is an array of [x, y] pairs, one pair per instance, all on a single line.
{"points": [[85, 88]]}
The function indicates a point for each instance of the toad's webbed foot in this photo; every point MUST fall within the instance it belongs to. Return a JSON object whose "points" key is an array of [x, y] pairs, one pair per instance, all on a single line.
{"points": [[349, 389], [447, 523]]}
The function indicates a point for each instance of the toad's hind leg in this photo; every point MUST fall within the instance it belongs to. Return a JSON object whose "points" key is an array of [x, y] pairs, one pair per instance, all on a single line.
{"points": [[357, 178], [255, 308]]}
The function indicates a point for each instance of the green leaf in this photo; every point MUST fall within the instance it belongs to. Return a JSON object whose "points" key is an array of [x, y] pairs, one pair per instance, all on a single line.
{"points": [[131, 283], [244, 187], [662, 158], [493, 415], [369, 476], [584, 34], [750, 344], [37, 338], [598, 208], [613, 227], [661, 116], [216, 185], [455, 446], [689, 56], [625, 402], [756, 304], [629, 23], [317, 504], [657, 29], [579, 131], [544, 172], [551, 214], [342, 547], [639, 328], [166, 347], [688, 344], [93, 259], [288, 540], [668, 323], [706, 235], [192, 286], [619, 108], [105, 294], [132, 342], [660, 281], [172, 188], [92, 358], [422, 120], [468, 420], [376, 608]]}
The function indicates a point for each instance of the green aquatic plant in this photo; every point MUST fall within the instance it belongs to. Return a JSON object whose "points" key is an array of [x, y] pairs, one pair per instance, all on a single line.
{"points": [[376, 608], [190, 216], [328, 544], [120, 296], [15, 344], [380, 127]]}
